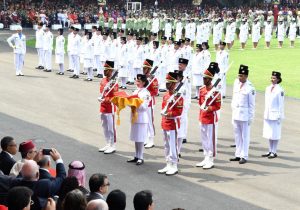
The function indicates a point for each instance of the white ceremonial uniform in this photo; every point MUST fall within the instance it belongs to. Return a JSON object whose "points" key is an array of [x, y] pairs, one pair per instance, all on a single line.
{"points": [[206, 59], [155, 25], [97, 40], [162, 69], [88, 57], [187, 52], [178, 31], [82, 48], [200, 33], [244, 32], [168, 30], [268, 31], [173, 57], [18, 43], [255, 32], [274, 112], [122, 61], [59, 49], [75, 53], [39, 41], [113, 49], [130, 48], [138, 59], [104, 52], [197, 69], [280, 32], [217, 32], [192, 31], [222, 58], [228, 35], [292, 31], [47, 48], [70, 37], [206, 33], [243, 107]]}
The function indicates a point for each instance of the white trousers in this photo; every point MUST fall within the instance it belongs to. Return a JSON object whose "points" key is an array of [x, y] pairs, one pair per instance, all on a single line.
{"points": [[273, 146], [40, 52], [182, 131], [98, 64], [242, 138], [170, 139], [75, 60], [209, 139], [151, 128], [139, 150], [19, 62], [109, 127], [162, 72], [90, 73], [71, 66], [137, 71], [130, 73], [48, 59]]}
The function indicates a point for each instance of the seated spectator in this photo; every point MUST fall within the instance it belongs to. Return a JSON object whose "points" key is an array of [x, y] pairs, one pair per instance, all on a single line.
{"points": [[116, 200], [69, 184], [77, 169], [28, 152], [98, 184], [74, 200], [19, 198], [98, 204], [42, 189], [143, 200], [9, 148], [45, 166]]}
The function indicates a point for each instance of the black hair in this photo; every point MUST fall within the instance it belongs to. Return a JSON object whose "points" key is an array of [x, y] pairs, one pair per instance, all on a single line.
{"points": [[18, 198], [142, 200], [5, 141], [116, 200], [96, 181]]}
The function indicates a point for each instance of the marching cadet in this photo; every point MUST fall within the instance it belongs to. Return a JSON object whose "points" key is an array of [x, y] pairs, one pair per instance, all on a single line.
{"points": [[208, 117], [70, 37], [197, 69], [155, 54], [268, 32], [97, 39], [199, 33], [122, 61], [280, 32], [84, 40], [104, 52], [170, 124], [192, 31], [162, 70], [107, 110], [178, 30], [244, 32], [206, 55], [255, 33], [39, 40], [174, 55], [47, 48], [187, 50], [292, 32], [243, 107], [138, 57], [229, 31], [217, 32], [168, 28], [18, 42], [152, 87], [139, 129], [222, 58], [273, 114], [88, 56], [60, 51], [75, 53], [130, 48]]}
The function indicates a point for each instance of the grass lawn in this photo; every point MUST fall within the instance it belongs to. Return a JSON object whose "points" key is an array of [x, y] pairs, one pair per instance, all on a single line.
{"points": [[261, 63]]}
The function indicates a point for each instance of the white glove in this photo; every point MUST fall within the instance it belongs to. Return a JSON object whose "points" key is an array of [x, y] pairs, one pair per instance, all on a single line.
{"points": [[100, 99]]}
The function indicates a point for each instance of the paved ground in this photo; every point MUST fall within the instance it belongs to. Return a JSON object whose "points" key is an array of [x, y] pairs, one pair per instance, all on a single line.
{"points": [[63, 112]]}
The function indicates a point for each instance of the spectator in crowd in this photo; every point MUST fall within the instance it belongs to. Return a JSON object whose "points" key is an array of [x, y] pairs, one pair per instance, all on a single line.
{"points": [[98, 184], [116, 200], [19, 198], [42, 189], [69, 184], [77, 169], [97, 204], [28, 152], [143, 200], [45, 166], [9, 148], [74, 200]]}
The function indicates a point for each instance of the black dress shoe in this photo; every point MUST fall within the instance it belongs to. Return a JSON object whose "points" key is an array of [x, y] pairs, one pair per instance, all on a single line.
{"points": [[99, 76], [233, 145], [48, 70], [195, 97], [76, 77], [132, 160], [224, 97], [184, 141], [94, 69], [162, 90], [266, 155], [139, 162], [272, 155], [131, 83], [70, 70], [179, 155], [73, 76], [242, 161], [127, 83], [38, 67], [235, 159], [200, 150]]}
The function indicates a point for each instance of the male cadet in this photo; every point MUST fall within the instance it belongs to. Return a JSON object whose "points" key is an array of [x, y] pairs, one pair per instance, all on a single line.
{"points": [[170, 124], [208, 117], [138, 57], [186, 92], [174, 55], [162, 70], [243, 107], [18, 42], [104, 53], [107, 109], [222, 58], [47, 48], [153, 90], [39, 36], [70, 37], [75, 53]]}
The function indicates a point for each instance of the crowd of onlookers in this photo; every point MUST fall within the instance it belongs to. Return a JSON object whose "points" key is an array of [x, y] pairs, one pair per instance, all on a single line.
{"points": [[32, 183]]}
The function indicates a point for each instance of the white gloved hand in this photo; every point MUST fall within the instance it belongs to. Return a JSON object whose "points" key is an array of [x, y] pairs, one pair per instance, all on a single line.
{"points": [[100, 99]]}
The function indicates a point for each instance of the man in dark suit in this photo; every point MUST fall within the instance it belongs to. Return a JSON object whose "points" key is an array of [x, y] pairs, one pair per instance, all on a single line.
{"points": [[44, 164], [98, 184], [42, 189], [9, 148]]}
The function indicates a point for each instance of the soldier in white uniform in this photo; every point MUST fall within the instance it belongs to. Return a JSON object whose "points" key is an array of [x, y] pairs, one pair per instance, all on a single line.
{"points": [[268, 32], [39, 41], [187, 50], [18, 42], [280, 32], [88, 56], [273, 114], [244, 32], [162, 69], [229, 31], [75, 53], [197, 69], [243, 107], [139, 129], [168, 28], [255, 33], [138, 57], [47, 48], [292, 32], [104, 52], [222, 58], [70, 37], [60, 51], [130, 48], [217, 32], [122, 62], [174, 56], [206, 55], [97, 39], [178, 30]]}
